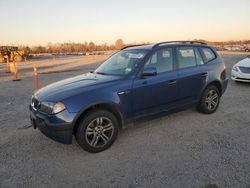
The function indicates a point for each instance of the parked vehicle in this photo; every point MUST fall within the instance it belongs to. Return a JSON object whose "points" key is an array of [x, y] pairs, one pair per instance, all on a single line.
{"points": [[241, 70], [233, 47], [135, 82], [247, 49]]}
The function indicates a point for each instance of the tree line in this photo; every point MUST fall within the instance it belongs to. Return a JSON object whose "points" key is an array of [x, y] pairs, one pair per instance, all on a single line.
{"points": [[91, 46], [73, 47], [225, 43]]}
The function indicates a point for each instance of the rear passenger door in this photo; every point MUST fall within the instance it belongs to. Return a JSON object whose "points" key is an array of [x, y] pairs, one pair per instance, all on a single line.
{"points": [[192, 73]]}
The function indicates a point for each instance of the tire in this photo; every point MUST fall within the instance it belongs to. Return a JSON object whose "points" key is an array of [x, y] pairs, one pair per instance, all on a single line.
{"points": [[210, 100], [97, 130]]}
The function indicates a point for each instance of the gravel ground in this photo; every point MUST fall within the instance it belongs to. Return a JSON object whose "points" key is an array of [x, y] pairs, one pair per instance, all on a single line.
{"points": [[53, 65], [184, 149]]}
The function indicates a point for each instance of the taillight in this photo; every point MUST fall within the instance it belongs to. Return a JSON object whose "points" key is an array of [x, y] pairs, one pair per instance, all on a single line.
{"points": [[223, 75]]}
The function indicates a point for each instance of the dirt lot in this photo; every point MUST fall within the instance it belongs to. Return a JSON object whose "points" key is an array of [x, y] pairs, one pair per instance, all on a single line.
{"points": [[185, 149]]}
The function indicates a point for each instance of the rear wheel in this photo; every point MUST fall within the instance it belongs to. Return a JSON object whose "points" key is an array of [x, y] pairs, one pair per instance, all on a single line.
{"points": [[210, 100], [97, 131]]}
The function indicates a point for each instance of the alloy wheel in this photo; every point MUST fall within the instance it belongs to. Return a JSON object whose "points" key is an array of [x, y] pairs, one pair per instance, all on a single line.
{"points": [[99, 132], [212, 100]]}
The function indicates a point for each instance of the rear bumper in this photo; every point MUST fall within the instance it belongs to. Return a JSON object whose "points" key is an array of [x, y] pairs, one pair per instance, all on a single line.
{"points": [[58, 127], [224, 84]]}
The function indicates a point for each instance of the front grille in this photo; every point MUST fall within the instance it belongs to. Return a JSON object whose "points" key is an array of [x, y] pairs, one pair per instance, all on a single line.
{"points": [[245, 70]]}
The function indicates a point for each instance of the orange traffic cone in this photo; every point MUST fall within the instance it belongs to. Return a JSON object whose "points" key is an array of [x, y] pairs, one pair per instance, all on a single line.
{"points": [[36, 77]]}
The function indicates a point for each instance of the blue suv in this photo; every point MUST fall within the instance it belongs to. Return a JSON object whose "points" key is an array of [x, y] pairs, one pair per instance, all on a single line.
{"points": [[135, 82]]}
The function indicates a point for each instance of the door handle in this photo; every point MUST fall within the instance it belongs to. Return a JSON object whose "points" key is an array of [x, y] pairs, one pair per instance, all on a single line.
{"points": [[204, 74], [171, 82]]}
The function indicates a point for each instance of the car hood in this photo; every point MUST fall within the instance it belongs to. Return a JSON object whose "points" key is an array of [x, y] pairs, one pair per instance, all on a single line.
{"points": [[244, 63], [59, 90]]}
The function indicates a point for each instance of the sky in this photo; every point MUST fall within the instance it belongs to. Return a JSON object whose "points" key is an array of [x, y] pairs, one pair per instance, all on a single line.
{"points": [[37, 22]]}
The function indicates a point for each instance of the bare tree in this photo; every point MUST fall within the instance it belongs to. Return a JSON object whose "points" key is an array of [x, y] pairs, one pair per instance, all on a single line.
{"points": [[119, 44], [91, 47]]}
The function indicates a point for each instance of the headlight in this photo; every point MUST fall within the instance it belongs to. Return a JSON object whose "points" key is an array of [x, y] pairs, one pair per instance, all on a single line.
{"points": [[52, 108], [235, 68], [58, 107]]}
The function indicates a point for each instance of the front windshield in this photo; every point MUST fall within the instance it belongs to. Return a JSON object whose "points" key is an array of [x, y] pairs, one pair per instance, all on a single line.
{"points": [[121, 63]]}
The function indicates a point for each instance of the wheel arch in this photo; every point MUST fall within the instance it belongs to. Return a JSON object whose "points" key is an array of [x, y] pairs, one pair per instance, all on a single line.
{"points": [[109, 106], [217, 84]]}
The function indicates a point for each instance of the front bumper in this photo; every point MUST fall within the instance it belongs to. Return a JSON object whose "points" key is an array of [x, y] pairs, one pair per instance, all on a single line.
{"points": [[58, 127], [239, 76]]}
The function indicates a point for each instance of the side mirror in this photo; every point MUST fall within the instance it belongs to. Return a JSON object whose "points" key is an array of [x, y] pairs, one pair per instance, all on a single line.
{"points": [[149, 71]]}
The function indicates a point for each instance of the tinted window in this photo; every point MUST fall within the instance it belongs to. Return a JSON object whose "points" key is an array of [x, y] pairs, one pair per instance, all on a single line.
{"points": [[162, 60], [186, 57], [198, 57], [208, 53]]}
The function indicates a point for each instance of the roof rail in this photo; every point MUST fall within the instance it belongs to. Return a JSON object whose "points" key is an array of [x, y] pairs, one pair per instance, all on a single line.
{"points": [[132, 46], [181, 42]]}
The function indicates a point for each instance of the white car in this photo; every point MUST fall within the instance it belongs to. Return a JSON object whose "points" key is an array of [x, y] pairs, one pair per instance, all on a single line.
{"points": [[241, 70]]}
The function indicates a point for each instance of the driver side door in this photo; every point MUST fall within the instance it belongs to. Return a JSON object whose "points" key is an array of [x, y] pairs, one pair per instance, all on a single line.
{"points": [[156, 92]]}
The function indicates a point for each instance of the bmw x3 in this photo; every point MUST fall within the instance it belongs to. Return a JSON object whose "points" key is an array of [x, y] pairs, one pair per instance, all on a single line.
{"points": [[135, 82]]}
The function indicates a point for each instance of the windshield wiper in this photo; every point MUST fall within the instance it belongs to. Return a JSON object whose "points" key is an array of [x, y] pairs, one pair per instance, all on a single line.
{"points": [[102, 73]]}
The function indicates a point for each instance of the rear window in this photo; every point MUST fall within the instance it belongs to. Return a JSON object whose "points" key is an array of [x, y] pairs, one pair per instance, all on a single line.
{"points": [[199, 59], [208, 53], [186, 57]]}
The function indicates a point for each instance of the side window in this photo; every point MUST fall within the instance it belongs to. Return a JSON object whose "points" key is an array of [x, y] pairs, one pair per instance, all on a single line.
{"points": [[162, 60], [208, 53], [153, 59], [186, 57], [198, 57]]}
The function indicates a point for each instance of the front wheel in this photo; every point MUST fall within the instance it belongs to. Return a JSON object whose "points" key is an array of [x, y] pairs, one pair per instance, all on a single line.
{"points": [[210, 100], [97, 131]]}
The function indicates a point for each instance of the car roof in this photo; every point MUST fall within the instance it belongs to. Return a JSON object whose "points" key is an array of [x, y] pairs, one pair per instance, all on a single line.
{"points": [[162, 44]]}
